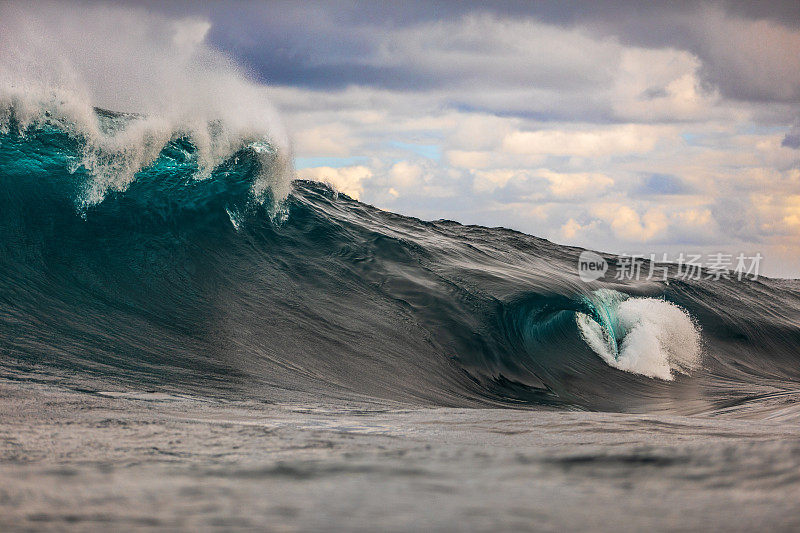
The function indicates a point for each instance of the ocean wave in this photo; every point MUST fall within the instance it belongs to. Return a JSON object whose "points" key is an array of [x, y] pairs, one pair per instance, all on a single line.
{"points": [[647, 336], [176, 87], [111, 149], [181, 282]]}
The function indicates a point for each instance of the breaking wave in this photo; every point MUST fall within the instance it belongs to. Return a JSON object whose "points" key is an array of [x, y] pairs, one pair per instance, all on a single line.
{"points": [[156, 266], [648, 336]]}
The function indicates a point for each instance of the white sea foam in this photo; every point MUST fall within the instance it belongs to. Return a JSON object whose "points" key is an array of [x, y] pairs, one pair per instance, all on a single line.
{"points": [[645, 336], [57, 62]]}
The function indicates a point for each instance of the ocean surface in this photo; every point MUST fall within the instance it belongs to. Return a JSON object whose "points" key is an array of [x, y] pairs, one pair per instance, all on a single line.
{"points": [[190, 339]]}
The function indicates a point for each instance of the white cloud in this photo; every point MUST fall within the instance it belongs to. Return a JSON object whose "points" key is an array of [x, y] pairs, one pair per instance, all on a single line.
{"points": [[597, 142], [571, 229], [662, 85], [405, 175], [349, 180], [324, 140], [489, 180], [568, 185], [468, 159], [628, 225]]}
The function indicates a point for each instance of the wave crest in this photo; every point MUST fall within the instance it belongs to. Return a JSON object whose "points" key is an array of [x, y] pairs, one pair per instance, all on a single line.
{"points": [[178, 86], [647, 336]]}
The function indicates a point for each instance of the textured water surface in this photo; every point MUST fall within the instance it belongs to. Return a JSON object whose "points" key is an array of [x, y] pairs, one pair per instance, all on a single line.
{"points": [[122, 460]]}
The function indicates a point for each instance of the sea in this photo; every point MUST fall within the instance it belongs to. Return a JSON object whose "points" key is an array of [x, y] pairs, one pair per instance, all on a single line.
{"points": [[191, 339]]}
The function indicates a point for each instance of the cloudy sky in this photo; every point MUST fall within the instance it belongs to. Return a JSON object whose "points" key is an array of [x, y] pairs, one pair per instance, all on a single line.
{"points": [[616, 126]]}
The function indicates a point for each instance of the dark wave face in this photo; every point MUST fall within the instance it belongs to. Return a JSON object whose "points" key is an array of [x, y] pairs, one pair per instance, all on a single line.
{"points": [[191, 283]]}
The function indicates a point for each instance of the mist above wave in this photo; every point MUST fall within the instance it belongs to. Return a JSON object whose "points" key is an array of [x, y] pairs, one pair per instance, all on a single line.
{"points": [[161, 71]]}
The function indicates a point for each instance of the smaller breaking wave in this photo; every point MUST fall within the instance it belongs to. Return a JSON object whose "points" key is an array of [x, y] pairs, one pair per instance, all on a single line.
{"points": [[646, 336]]}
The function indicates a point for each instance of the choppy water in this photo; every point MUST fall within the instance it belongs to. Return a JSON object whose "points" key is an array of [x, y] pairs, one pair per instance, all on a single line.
{"points": [[188, 346], [104, 461]]}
